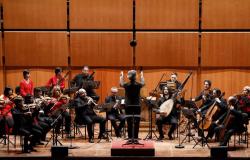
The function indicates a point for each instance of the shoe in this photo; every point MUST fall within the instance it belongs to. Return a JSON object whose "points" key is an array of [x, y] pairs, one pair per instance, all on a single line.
{"points": [[102, 136], [160, 138], [170, 137], [26, 151], [40, 143], [91, 140]]}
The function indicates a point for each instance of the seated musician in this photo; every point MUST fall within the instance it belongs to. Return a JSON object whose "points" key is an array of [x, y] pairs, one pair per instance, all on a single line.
{"points": [[174, 79], [24, 125], [86, 115], [171, 118], [244, 100], [115, 113], [26, 85], [38, 124], [6, 118], [60, 103], [234, 125], [86, 81], [221, 103], [57, 79], [206, 97]]}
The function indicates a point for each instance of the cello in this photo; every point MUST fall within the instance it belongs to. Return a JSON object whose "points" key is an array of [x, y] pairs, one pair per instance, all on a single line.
{"points": [[213, 110]]}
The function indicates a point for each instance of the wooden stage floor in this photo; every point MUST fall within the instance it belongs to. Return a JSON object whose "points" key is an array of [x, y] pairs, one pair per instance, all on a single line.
{"points": [[166, 148]]}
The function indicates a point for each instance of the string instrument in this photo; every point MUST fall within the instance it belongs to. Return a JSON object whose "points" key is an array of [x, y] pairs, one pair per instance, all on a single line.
{"points": [[213, 110], [167, 106], [228, 119], [64, 77]]}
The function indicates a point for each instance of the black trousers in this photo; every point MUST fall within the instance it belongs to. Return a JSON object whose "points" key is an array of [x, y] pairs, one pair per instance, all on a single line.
{"points": [[133, 122], [172, 120], [113, 118], [90, 121]]}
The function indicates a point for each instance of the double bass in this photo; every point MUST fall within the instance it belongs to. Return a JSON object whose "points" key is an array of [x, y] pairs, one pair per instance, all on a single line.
{"points": [[167, 106]]}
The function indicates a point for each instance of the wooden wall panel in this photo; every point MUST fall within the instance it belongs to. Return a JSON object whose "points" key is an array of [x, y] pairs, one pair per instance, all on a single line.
{"points": [[101, 49], [36, 48], [225, 14], [167, 49], [170, 14], [100, 14], [1, 49], [240, 79], [225, 49], [33, 14], [1, 81], [221, 79]]}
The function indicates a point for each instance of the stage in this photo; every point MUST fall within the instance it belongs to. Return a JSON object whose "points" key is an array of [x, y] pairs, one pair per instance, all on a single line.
{"points": [[163, 150]]}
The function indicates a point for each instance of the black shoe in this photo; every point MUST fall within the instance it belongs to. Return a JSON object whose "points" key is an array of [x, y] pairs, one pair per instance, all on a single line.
{"points": [[26, 151], [40, 143], [170, 137], [91, 140], [103, 136], [160, 138]]}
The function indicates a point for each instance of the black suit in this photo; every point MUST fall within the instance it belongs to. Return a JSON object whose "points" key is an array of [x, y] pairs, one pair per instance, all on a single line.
{"points": [[86, 115], [114, 114], [132, 101]]}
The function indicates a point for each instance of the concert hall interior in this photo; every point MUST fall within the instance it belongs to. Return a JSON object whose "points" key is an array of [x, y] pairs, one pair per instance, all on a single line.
{"points": [[124, 79]]}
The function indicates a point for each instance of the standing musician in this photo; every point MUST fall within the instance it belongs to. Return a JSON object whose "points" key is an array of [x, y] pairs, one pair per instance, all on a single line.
{"points": [[57, 79], [219, 101], [172, 117], [60, 102], [115, 112], [26, 85], [86, 81], [86, 115], [132, 99], [244, 100], [233, 120], [6, 104]]}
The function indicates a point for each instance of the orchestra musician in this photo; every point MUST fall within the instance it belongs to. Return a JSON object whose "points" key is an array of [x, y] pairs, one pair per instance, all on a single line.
{"points": [[206, 97], [6, 104], [86, 115], [222, 108], [132, 99], [174, 79], [233, 120], [26, 85], [24, 125], [57, 79], [171, 118], [60, 103], [115, 113], [244, 100], [86, 81]]}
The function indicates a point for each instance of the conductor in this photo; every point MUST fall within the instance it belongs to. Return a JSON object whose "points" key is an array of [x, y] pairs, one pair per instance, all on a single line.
{"points": [[132, 101]]}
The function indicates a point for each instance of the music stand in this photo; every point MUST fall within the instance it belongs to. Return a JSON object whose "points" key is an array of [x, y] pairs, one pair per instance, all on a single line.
{"points": [[189, 114], [133, 140], [151, 132], [178, 132], [203, 140], [54, 136]]}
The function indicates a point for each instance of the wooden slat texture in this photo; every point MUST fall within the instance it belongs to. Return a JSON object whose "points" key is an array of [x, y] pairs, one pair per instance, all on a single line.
{"points": [[240, 79], [36, 48], [225, 49], [1, 49], [101, 49], [34, 14], [167, 49], [167, 14], [225, 14], [100, 14], [1, 80]]}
